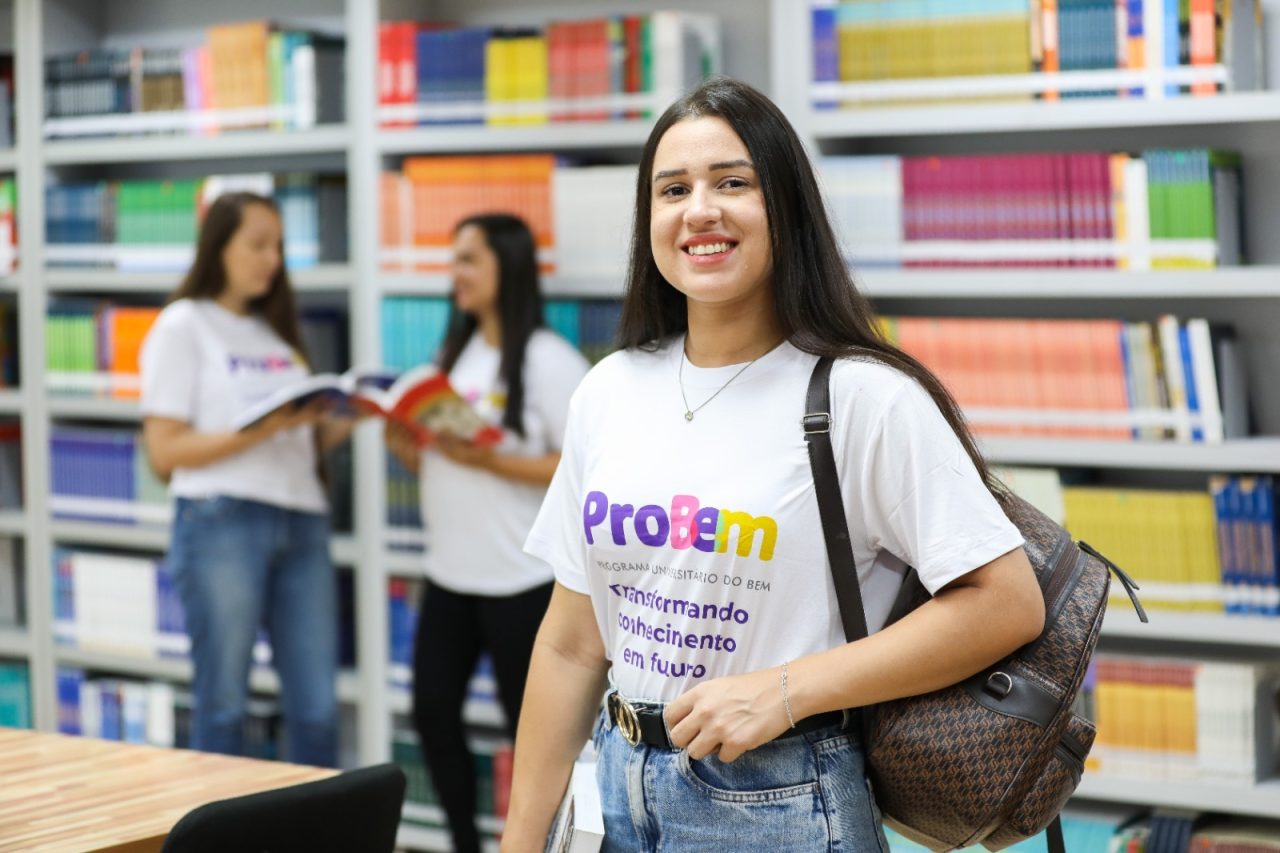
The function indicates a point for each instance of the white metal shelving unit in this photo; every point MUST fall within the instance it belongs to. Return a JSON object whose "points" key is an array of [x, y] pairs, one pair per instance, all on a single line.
{"points": [[1261, 800], [1210, 629], [1239, 109], [325, 277], [228, 145], [767, 43], [1261, 282], [14, 643], [1259, 455], [623, 135]]}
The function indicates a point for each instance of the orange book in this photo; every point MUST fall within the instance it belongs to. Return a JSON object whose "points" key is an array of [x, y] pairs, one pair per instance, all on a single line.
{"points": [[449, 189], [1203, 42], [121, 331], [1050, 60], [238, 58], [396, 222]]}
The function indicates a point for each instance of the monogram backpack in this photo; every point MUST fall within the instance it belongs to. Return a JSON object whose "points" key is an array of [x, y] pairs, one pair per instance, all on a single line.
{"points": [[991, 760]]}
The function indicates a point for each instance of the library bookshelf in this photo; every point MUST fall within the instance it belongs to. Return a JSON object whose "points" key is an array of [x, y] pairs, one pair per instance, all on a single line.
{"points": [[767, 43]]}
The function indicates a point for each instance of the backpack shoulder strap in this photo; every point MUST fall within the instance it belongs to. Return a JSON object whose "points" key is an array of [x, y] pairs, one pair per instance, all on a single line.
{"points": [[826, 483]]}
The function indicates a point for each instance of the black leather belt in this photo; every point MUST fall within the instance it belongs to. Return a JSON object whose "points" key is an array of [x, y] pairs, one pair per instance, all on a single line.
{"points": [[643, 723]]}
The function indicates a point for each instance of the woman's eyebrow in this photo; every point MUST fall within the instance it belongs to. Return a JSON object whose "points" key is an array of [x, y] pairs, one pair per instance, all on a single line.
{"points": [[714, 167]]}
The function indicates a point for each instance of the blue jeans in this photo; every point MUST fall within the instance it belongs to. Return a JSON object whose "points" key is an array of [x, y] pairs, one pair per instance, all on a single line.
{"points": [[803, 794], [239, 564]]}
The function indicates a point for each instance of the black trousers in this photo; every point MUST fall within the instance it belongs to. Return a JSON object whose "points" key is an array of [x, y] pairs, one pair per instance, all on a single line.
{"points": [[453, 629]]}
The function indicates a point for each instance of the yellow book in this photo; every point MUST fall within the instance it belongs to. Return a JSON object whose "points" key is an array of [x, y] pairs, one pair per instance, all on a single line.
{"points": [[1119, 210], [499, 77], [531, 80]]}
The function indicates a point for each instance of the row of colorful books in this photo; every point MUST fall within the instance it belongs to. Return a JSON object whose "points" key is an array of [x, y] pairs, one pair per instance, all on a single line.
{"points": [[422, 204], [493, 766], [254, 73], [15, 695], [1205, 720], [1211, 551], [413, 327], [1154, 48], [127, 605], [578, 70], [1085, 378], [101, 474], [151, 712], [1157, 209], [92, 346], [142, 225], [120, 604]]}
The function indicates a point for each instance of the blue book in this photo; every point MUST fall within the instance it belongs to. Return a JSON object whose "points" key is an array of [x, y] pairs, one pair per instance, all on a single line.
{"points": [[1171, 42], [1189, 380], [1220, 490], [69, 682], [1265, 537], [826, 49]]}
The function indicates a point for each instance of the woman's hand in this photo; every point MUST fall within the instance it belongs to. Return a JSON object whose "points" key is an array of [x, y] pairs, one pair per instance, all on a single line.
{"points": [[732, 714], [293, 417], [464, 452]]}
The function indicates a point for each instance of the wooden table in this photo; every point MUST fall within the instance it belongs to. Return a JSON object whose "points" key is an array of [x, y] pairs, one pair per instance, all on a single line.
{"points": [[61, 794]]}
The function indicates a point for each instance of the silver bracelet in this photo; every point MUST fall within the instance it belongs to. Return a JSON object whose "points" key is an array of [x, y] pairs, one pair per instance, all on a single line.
{"points": [[786, 697]]}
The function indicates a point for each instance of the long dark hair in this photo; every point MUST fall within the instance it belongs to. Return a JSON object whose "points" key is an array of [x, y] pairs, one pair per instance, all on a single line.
{"points": [[519, 306], [207, 278], [818, 306]]}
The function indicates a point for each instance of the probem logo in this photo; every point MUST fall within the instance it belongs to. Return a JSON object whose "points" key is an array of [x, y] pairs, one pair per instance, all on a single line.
{"points": [[263, 363], [687, 524]]}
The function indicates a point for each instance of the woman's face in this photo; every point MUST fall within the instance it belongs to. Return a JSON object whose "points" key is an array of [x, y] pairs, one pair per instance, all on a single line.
{"points": [[708, 229], [251, 257], [475, 271]]}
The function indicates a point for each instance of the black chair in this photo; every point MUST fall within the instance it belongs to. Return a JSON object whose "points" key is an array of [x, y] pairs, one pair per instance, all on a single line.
{"points": [[354, 812]]}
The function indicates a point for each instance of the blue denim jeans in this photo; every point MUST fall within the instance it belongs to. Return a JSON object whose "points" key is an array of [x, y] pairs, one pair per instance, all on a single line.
{"points": [[240, 564], [802, 794]]}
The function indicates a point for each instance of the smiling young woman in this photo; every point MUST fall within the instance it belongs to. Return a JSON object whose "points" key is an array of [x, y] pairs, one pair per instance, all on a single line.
{"points": [[717, 631]]}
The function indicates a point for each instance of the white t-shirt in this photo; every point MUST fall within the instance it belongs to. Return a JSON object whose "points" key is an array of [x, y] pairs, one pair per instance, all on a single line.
{"points": [[478, 521], [699, 541], [203, 364]]}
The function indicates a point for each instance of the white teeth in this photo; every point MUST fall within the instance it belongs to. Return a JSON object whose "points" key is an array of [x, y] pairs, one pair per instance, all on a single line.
{"points": [[708, 248]]}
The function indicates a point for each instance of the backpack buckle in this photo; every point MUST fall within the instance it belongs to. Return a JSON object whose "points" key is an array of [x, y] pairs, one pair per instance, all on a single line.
{"points": [[816, 422]]}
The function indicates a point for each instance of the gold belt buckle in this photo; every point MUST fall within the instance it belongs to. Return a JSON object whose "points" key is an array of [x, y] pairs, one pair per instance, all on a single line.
{"points": [[624, 717]]}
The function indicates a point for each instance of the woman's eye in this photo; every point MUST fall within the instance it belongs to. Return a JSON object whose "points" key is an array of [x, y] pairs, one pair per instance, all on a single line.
{"points": [[734, 183], [673, 191]]}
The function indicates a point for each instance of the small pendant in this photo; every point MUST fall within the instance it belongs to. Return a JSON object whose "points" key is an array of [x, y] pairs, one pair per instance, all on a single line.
{"points": [[688, 416]]}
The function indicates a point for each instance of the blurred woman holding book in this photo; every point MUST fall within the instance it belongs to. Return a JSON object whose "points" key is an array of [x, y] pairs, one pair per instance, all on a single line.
{"points": [[684, 532], [482, 592], [250, 544]]}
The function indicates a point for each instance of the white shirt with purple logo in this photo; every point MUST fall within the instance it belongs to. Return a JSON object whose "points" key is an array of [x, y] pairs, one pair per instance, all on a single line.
{"points": [[203, 364], [477, 521], [699, 541]]}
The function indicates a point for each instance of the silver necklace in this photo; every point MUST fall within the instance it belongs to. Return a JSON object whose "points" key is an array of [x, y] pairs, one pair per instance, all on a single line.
{"points": [[688, 412]]}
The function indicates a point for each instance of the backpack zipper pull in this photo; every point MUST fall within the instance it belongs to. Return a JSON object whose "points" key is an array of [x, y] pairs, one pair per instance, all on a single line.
{"points": [[1130, 586]]}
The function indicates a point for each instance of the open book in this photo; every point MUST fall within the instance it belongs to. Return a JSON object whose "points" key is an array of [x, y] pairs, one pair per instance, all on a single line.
{"points": [[421, 399], [579, 824]]}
